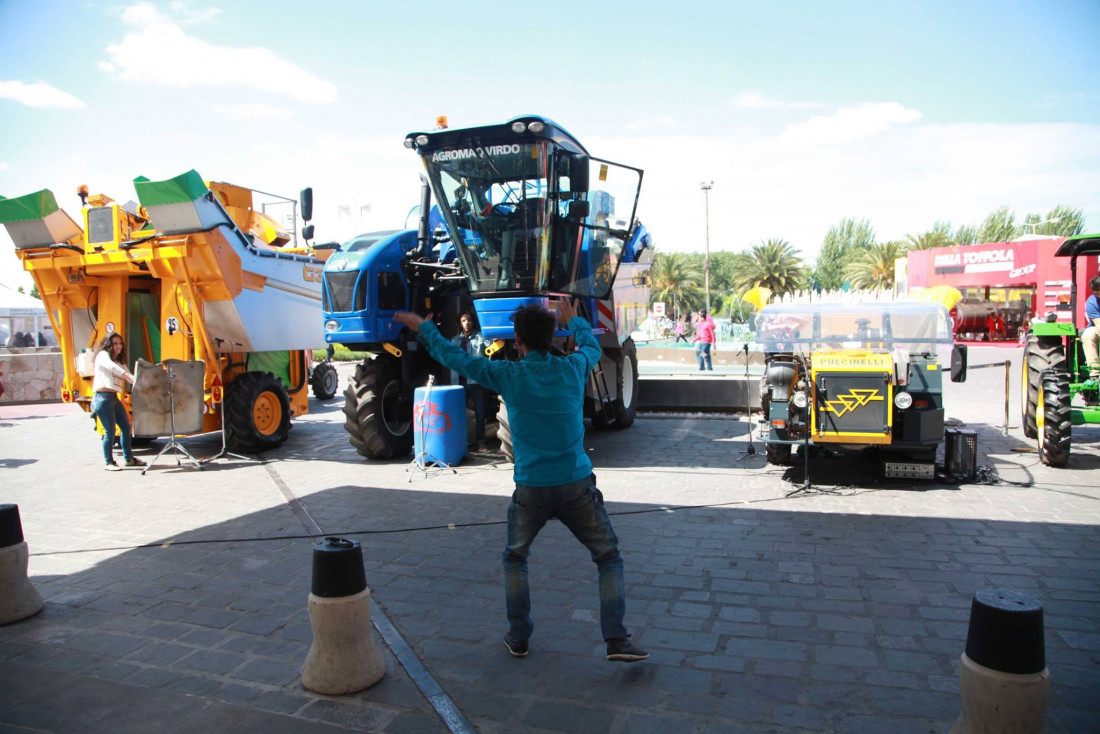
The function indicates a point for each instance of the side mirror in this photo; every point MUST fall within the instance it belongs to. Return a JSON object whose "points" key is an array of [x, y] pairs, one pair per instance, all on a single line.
{"points": [[578, 210], [578, 173], [307, 204], [307, 232], [958, 363]]}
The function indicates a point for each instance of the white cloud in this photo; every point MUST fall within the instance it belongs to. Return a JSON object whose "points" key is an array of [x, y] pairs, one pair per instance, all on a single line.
{"points": [[4, 166], [187, 16], [158, 51], [903, 177], [38, 94], [652, 125], [755, 101], [254, 111], [849, 124]]}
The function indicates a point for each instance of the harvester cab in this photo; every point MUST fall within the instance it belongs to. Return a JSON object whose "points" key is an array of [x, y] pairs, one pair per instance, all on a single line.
{"points": [[522, 212], [1056, 392]]}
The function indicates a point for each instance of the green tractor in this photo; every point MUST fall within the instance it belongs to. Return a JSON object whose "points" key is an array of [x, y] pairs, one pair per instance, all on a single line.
{"points": [[1057, 394]]}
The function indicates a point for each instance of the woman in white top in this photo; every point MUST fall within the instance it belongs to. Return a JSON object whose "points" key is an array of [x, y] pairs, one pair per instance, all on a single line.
{"points": [[110, 371]]}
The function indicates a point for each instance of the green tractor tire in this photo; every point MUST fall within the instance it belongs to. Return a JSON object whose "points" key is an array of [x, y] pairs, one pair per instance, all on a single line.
{"points": [[1041, 353], [1054, 423]]}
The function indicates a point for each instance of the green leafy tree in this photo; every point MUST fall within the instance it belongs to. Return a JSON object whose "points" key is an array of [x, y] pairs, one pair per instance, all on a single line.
{"points": [[928, 240], [34, 292], [873, 268], [774, 264], [998, 226], [841, 244], [677, 281], [966, 234], [1061, 221]]}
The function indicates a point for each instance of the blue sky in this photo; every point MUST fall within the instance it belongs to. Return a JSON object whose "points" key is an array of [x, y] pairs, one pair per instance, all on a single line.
{"points": [[802, 113]]}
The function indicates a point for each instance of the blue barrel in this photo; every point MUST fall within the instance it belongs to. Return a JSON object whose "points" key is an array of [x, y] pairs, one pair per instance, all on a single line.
{"points": [[439, 424]]}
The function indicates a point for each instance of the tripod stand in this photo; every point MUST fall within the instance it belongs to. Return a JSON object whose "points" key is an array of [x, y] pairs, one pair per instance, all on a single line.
{"points": [[224, 452], [423, 459], [751, 450], [172, 442]]}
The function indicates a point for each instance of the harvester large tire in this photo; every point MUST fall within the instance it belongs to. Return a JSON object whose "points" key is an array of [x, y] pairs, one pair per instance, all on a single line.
{"points": [[1041, 353], [257, 413], [778, 453], [379, 410], [622, 410], [324, 380], [504, 432], [1055, 428]]}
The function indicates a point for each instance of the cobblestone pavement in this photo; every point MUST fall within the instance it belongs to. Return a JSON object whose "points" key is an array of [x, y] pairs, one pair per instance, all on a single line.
{"points": [[176, 602]]}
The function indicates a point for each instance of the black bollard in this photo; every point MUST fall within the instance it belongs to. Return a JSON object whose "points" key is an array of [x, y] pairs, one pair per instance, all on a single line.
{"points": [[343, 657], [1003, 679], [18, 597]]}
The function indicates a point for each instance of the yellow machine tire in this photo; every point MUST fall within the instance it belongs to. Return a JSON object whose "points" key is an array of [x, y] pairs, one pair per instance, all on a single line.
{"points": [[257, 413], [378, 410], [778, 454], [504, 432]]}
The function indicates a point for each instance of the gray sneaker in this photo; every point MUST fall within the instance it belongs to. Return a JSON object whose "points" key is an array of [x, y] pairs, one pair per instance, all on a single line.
{"points": [[113, 467], [621, 649]]}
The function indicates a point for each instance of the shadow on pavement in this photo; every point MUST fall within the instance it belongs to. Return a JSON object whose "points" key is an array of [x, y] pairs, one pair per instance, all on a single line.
{"points": [[757, 620]]}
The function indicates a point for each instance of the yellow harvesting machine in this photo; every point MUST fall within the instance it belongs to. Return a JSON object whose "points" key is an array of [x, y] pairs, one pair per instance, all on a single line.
{"points": [[193, 274]]}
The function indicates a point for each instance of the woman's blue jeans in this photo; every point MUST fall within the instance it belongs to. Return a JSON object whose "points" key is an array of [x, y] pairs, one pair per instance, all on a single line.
{"points": [[579, 506], [702, 352], [111, 412]]}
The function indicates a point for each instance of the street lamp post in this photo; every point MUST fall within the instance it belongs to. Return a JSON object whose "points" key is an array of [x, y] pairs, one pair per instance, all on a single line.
{"points": [[706, 186]]}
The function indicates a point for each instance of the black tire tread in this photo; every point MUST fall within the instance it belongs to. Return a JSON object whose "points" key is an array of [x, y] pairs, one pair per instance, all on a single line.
{"points": [[504, 432], [325, 381], [241, 435], [1057, 439], [1041, 353], [366, 428]]}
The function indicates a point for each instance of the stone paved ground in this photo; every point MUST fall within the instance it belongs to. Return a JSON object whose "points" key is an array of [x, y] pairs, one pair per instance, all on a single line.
{"points": [[841, 610]]}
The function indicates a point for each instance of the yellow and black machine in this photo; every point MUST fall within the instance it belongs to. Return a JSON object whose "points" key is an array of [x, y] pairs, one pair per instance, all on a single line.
{"points": [[855, 376], [195, 273]]}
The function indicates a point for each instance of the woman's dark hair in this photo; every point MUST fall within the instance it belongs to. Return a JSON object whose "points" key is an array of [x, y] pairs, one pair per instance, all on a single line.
{"points": [[535, 327], [105, 346], [1094, 284]]}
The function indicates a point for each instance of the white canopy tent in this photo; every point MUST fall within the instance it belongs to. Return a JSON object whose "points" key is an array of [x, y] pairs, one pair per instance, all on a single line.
{"points": [[20, 313]]}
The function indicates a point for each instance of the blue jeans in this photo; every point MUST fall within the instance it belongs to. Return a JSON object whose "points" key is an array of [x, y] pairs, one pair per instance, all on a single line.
{"points": [[702, 352], [579, 506], [111, 412]]}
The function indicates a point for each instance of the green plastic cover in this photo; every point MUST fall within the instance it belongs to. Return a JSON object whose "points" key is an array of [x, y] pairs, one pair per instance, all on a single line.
{"points": [[38, 205], [277, 363], [181, 189]]}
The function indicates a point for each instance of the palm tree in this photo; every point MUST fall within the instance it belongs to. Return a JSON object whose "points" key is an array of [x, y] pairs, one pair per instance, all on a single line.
{"points": [[874, 268], [774, 264], [674, 279], [928, 240]]}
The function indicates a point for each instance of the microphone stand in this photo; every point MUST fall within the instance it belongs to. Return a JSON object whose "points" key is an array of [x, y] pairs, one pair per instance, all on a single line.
{"points": [[751, 450]]}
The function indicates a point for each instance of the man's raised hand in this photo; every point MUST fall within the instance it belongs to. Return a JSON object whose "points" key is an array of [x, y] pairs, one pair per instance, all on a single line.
{"points": [[411, 320], [566, 309]]}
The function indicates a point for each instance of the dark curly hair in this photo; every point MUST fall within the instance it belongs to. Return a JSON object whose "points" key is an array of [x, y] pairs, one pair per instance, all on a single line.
{"points": [[535, 327], [105, 346]]}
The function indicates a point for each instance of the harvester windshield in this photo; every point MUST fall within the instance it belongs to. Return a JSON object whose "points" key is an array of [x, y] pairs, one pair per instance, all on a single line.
{"points": [[877, 327], [519, 209]]}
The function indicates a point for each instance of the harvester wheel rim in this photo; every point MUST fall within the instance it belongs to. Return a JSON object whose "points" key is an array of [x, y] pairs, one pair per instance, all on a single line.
{"points": [[394, 396], [267, 413]]}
